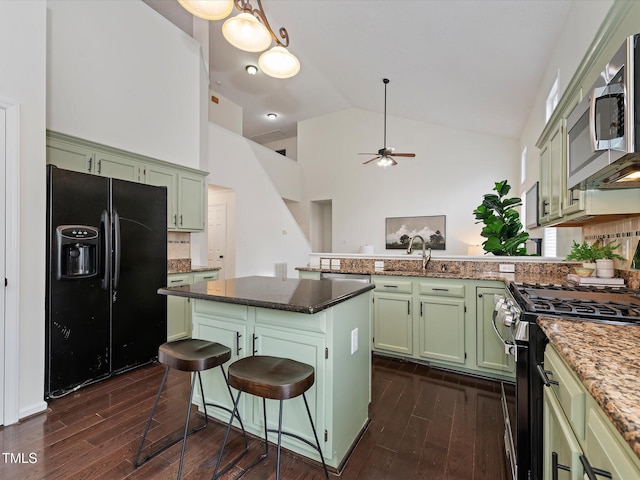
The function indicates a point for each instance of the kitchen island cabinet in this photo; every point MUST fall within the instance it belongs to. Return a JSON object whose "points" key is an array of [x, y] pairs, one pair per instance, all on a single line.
{"points": [[322, 323]]}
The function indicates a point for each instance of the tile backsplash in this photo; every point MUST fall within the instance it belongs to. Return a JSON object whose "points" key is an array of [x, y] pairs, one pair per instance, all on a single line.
{"points": [[178, 245]]}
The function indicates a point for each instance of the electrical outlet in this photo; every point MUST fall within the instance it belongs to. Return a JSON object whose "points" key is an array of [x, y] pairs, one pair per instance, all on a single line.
{"points": [[507, 267], [354, 341]]}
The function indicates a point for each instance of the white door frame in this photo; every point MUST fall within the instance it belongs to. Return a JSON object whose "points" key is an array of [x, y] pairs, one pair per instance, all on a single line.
{"points": [[10, 361]]}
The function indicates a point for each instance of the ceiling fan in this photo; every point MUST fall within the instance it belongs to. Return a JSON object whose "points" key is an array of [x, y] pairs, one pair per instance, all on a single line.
{"points": [[385, 154]]}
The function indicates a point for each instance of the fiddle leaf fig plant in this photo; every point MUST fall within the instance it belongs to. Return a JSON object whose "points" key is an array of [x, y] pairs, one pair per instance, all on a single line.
{"points": [[502, 228]]}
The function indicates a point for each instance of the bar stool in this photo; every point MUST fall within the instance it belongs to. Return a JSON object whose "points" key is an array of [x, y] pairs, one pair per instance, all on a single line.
{"points": [[274, 378], [190, 355]]}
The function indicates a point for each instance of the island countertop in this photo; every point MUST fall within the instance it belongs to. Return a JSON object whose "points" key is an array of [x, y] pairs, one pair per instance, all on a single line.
{"points": [[605, 358], [290, 294]]}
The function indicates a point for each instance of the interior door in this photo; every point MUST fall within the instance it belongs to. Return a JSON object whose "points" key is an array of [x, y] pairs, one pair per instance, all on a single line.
{"points": [[218, 236]]}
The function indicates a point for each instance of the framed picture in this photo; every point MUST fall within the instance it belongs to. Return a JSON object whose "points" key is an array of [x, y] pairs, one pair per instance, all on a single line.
{"points": [[400, 230]]}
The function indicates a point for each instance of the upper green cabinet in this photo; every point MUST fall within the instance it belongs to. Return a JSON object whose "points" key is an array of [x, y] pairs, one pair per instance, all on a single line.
{"points": [[186, 192]]}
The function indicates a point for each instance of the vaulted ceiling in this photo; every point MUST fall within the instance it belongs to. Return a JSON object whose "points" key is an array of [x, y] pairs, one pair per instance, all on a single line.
{"points": [[469, 64]]}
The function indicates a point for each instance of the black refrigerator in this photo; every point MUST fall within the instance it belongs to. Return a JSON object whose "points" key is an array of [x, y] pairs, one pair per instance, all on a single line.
{"points": [[106, 259]]}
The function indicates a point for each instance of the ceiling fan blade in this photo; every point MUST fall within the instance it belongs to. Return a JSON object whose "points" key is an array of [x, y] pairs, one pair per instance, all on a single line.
{"points": [[404, 154], [368, 154], [369, 161], [393, 161]]}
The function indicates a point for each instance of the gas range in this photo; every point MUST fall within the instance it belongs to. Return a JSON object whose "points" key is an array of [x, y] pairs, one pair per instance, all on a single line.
{"points": [[617, 304]]}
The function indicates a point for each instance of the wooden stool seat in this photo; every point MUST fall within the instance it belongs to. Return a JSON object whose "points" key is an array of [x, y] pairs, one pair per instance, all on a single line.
{"points": [[274, 378], [271, 377], [193, 355]]}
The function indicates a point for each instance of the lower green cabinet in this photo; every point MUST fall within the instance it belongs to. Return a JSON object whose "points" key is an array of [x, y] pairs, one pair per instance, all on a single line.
{"points": [[490, 354], [577, 435], [393, 323], [179, 308], [444, 321], [442, 329]]}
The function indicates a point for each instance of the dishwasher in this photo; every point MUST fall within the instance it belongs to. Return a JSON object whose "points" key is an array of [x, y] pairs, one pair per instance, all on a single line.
{"points": [[345, 277]]}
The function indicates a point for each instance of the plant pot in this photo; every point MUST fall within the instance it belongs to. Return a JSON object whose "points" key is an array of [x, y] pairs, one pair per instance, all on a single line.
{"points": [[604, 268], [590, 265]]}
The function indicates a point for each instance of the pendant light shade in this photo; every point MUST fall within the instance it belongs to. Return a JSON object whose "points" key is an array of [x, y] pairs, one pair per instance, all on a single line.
{"points": [[279, 62], [208, 9], [245, 32]]}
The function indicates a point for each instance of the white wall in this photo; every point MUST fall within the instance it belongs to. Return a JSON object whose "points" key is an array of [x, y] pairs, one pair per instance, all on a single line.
{"points": [[122, 75], [266, 232], [452, 171], [225, 113], [284, 172], [288, 144], [23, 27]]}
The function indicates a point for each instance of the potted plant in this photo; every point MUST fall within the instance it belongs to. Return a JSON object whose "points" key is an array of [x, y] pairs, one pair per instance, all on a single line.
{"points": [[502, 228], [605, 255], [585, 253]]}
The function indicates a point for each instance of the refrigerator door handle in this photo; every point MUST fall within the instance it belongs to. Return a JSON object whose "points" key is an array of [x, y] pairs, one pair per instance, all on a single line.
{"points": [[117, 249], [105, 230]]}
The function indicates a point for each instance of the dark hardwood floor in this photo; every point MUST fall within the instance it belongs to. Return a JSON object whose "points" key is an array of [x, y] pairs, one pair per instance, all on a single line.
{"points": [[426, 423]]}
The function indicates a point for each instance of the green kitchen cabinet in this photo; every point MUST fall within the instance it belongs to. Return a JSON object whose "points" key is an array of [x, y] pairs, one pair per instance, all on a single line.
{"points": [[490, 354], [191, 202], [70, 156], [393, 315], [442, 321], [552, 173], [309, 275], [118, 166], [179, 322], [561, 456], [186, 187], [577, 430]]}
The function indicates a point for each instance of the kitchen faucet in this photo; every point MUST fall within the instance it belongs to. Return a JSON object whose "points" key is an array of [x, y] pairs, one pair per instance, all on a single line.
{"points": [[425, 258]]}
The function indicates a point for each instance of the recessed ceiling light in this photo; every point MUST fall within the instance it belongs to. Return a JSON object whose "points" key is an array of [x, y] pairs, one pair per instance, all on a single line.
{"points": [[272, 116], [251, 69]]}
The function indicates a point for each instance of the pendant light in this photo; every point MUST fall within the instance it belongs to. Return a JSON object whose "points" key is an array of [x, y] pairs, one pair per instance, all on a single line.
{"points": [[278, 62], [208, 9], [245, 32]]}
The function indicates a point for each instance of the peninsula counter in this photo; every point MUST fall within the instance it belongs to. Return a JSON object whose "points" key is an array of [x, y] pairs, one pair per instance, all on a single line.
{"points": [[322, 323]]}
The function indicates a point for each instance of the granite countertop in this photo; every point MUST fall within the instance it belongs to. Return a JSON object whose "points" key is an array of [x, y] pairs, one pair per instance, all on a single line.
{"points": [[186, 267], [294, 295], [606, 358]]}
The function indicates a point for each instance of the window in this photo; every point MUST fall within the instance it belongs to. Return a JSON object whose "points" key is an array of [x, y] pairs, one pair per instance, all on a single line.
{"points": [[552, 98], [549, 248], [523, 165]]}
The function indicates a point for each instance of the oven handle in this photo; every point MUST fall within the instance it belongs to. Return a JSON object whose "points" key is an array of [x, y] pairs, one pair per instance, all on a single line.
{"points": [[543, 375], [509, 348]]}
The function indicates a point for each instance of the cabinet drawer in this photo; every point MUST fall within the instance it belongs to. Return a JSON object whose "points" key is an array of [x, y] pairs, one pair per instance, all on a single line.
{"points": [[177, 279], [441, 289], [398, 286], [568, 390], [207, 276]]}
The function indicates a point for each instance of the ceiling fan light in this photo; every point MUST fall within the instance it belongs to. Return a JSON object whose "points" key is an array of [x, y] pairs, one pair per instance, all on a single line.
{"points": [[208, 9], [245, 32], [385, 162], [279, 62]]}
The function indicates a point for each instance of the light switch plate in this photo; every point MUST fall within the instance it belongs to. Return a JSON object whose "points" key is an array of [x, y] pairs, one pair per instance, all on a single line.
{"points": [[507, 267]]}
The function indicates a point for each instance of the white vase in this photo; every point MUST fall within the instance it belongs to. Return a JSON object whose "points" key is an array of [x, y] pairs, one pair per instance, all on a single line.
{"points": [[604, 268]]}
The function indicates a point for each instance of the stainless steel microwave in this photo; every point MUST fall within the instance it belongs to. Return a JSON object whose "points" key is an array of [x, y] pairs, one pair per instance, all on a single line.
{"points": [[603, 132]]}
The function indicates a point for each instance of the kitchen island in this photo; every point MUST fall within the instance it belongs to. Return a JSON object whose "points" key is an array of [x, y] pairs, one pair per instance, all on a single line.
{"points": [[322, 323]]}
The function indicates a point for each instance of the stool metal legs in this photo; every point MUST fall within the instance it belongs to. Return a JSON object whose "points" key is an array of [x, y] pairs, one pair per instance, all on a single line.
{"points": [[137, 462], [280, 432]]}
